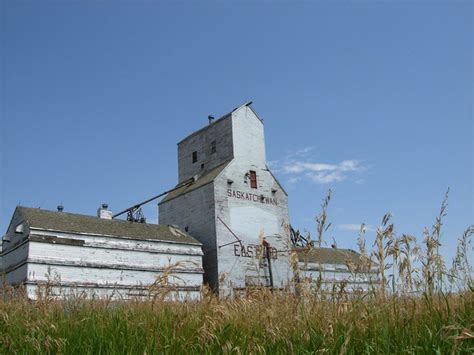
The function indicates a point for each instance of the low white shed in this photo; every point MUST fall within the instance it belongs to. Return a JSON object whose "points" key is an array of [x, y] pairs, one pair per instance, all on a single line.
{"points": [[336, 268], [98, 256]]}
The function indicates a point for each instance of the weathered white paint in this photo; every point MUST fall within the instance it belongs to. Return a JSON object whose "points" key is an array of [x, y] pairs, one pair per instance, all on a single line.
{"points": [[99, 265], [125, 243], [207, 210], [112, 256], [195, 211], [103, 212], [250, 220], [247, 219], [200, 142], [248, 137], [336, 275], [46, 270], [111, 292]]}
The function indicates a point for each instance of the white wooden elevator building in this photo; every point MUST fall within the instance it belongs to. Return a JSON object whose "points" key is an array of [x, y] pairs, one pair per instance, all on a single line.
{"points": [[234, 202]]}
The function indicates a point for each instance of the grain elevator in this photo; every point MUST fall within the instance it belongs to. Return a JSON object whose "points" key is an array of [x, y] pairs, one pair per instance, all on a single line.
{"points": [[235, 206]]}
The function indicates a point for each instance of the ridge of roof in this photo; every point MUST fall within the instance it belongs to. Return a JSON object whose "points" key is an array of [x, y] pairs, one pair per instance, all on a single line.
{"points": [[223, 117], [205, 179], [78, 223]]}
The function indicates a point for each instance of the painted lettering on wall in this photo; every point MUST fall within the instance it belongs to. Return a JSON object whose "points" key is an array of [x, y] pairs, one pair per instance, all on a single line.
{"points": [[248, 196], [253, 251]]}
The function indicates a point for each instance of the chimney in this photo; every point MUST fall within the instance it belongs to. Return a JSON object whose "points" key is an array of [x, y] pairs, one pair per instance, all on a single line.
{"points": [[103, 212], [210, 118]]}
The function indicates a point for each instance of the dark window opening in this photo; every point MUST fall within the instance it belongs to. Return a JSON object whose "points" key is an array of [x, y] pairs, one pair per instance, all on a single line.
{"points": [[253, 179], [213, 147], [202, 166], [195, 157]]}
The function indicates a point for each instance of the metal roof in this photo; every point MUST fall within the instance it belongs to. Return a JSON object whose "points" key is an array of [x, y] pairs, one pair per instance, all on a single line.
{"points": [[200, 181], [328, 255], [77, 223]]}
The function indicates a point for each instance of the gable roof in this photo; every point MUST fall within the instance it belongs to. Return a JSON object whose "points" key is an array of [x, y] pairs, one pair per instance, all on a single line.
{"points": [[227, 115], [200, 181], [328, 255], [78, 223]]}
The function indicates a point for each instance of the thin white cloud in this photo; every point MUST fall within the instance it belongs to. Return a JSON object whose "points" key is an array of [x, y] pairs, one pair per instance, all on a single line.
{"points": [[299, 153], [298, 165], [326, 177], [355, 227], [319, 173], [294, 179], [304, 151], [350, 165]]}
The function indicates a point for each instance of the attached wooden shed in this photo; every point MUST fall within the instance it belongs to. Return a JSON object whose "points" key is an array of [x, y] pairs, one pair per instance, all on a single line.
{"points": [[98, 257]]}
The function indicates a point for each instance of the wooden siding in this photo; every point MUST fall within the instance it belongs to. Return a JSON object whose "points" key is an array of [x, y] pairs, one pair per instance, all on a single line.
{"points": [[102, 266]]}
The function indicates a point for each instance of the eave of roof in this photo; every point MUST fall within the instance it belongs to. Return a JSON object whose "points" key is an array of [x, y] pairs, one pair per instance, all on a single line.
{"points": [[84, 224], [203, 180]]}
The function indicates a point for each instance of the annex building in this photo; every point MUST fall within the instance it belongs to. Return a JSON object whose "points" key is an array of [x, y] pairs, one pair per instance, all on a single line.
{"points": [[96, 256]]}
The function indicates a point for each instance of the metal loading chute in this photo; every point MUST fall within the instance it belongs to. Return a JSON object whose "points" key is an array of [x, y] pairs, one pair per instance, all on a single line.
{"points": [[135, 213]]}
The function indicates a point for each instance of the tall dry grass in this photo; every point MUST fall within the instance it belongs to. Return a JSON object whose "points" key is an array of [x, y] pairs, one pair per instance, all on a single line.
{"points": [[416, 305], [260, 322]]}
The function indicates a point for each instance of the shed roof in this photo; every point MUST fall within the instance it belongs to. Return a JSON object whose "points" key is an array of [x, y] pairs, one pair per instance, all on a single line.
{"points": [[328, 255], [78, 223], [200, 181]]}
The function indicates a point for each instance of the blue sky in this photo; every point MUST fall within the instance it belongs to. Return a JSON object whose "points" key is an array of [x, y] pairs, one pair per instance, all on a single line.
{"points": [[371, 99]]}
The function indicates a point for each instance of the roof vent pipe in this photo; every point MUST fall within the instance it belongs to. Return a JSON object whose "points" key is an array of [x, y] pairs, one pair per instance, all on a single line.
{"points": [[103, 212]]}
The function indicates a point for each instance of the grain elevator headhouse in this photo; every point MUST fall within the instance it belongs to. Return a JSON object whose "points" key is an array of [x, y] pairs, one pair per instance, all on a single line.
{"points": [[232, 203]]}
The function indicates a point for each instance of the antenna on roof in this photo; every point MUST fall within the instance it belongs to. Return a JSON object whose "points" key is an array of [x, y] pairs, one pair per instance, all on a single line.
{"points": [[210, 118]]}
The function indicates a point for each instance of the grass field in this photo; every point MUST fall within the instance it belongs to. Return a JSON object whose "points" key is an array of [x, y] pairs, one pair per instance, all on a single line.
{"points": [[417, 306], [262, 322]]}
